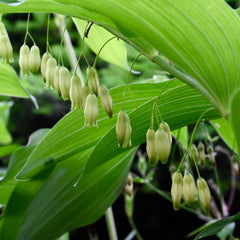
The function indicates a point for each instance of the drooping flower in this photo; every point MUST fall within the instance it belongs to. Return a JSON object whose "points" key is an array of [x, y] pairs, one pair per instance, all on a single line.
{"points": [[123, 130], [204, 194], [91, 110], [93, 80], [50, 69], [64, 82], [163, 143], [56, 79], [177, 190], [85, 92], [34, 59], [189, 188], [76, 92], [106, 100], [151, 147], [45, 58], [24, 60], [6, 50]]}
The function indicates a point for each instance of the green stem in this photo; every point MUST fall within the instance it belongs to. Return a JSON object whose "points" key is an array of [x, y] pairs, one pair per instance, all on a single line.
{"points": [[164, 195], [220, 188], [62, 39], [130, 71], [47, 40], [31, 38], [25, 39], [155, 103], [111, 224], [0, 17], [95, 62], [83, 42], [191, 141], [133, 226], [211, 96]]}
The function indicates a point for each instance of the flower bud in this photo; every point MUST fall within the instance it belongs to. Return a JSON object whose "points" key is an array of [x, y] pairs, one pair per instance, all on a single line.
{"points": [[106, 100], [56, 79], [201, 150], [176, 190], [64, 82], [91, 110], [194, 152], [76, 92], [34, 59], [128, 189], [235, 161], [50, 69], [211, 155], [6, 50], [189, 189], [93, 80], [204, 194], [123, 130], [163, 147], [45, 58], [164, 126], [24, 60], [151, 147], [85, 92], [3, 29]]}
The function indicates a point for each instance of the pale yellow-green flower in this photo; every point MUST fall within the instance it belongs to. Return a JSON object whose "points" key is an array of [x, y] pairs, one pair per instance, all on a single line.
{"points": [[189, 188], [204, 194], [177, 190], [91, 110]]}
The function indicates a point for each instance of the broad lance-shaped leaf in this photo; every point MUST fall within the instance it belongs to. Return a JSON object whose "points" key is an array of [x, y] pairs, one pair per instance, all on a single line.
{"points": [[5, 136], [225, 131], [217, 226], [114, 52], [9, 83], [235, 116], [46, 214], [17, 160], [179, 104], [199, 37]]}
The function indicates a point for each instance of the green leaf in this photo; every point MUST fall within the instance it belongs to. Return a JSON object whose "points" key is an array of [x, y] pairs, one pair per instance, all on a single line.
{"points": [[65, 236], [226, 231], [51, 213], [17, 160], [69, 136], [217, 226], [22, 195], [182, 135], [8, 149], [19, 157], [225, 131], [114, 52], [5, 136], [9, 83], [235, 117], [207, 60], [11, 2]]}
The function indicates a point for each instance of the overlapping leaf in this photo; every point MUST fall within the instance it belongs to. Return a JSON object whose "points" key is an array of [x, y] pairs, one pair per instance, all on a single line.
{"points": [[95, 157], [199, 37], [114, 52], [69, 136], [235, 117], [9, 83]]}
